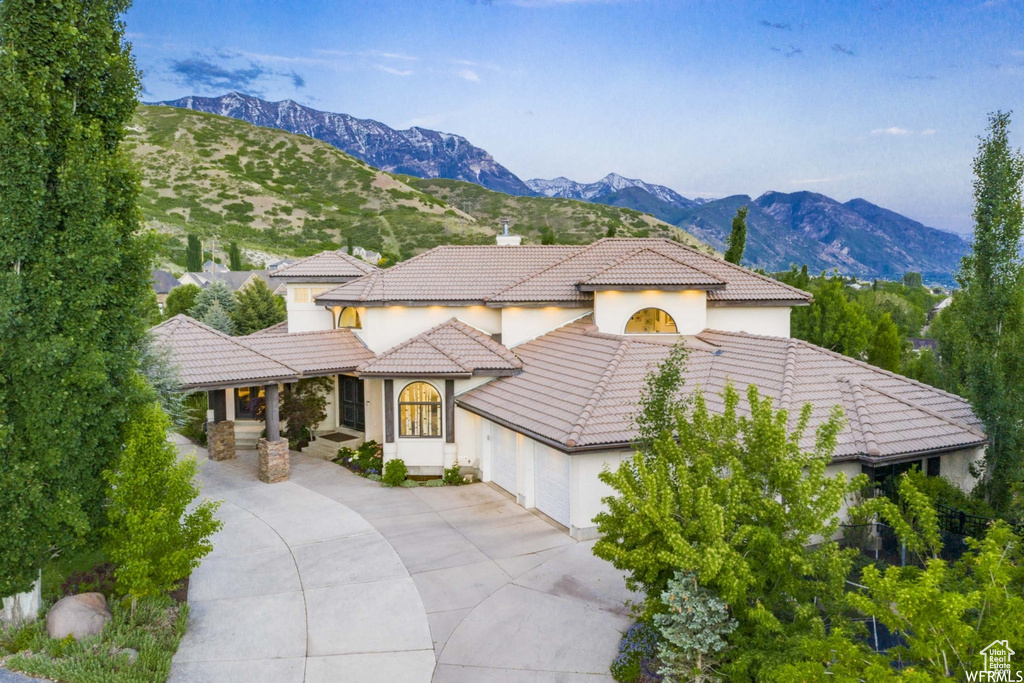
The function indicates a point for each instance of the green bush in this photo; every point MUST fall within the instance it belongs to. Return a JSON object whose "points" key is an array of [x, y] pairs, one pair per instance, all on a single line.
{"points": [[433, 483], [453, 475], [369, 456], [394, 472], [409, 484]]}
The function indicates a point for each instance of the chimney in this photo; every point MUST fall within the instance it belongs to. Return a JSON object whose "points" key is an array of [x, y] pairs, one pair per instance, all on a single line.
{"points": [[505, 238]]}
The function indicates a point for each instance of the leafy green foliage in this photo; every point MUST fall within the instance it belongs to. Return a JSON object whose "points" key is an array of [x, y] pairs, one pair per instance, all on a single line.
{"points": [[194, 254], [833, 321], [982, 335], [181, 300], [192, 427], [257, 308], [885, 348], [162, 376], [912, 280], [452, 476], [304, 407], [638, 651], [395, 472], [737, 240], [693, 630], [234, 257], [74, 272]]}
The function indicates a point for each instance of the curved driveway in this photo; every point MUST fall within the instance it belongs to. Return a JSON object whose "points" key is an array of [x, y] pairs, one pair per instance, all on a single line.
{"points": [[330, 577]]}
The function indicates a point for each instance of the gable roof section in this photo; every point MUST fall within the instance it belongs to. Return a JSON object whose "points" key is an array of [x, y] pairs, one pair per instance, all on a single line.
{"points": [[332, 264], [313, 353], [162, 281], [451, 348], [279, 328], [579, 388], [557, 274]]}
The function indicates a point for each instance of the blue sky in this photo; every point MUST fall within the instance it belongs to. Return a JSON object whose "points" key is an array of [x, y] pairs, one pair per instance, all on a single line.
{"points": [[882, 100]]}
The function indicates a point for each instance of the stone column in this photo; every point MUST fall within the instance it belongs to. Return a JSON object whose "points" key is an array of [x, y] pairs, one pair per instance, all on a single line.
{"points": [[274, 464], [220, 440]]}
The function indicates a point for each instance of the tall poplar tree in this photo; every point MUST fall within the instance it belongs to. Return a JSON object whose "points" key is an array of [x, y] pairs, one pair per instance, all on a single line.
{"points": [[73, 272], [194, 255], [737, 240], [983, 329], [234, 256]]}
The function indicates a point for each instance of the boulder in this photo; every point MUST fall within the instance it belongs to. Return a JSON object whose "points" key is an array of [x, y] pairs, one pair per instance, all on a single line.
{"points": [[79, 615]]}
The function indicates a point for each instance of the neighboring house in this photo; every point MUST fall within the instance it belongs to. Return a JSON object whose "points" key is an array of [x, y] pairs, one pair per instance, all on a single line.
{"points": [[214, 267], [938, 308], [526, 363], [162, 282], [235, 279], [921, 343], [366, 254], [277, 265]]}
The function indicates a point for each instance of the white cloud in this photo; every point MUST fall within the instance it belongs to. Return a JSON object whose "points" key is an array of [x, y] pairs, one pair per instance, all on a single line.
{"points": [[469, 75], [396, 72], [929, 131], [892, 130]]}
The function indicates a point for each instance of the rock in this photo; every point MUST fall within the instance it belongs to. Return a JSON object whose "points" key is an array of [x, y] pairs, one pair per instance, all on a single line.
{"points": [[132, 653], [79, 615]]}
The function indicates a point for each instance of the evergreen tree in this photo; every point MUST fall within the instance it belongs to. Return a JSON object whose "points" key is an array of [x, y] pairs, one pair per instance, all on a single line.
{"points": [[257, 308], [885, 347], [983, 334], [234, 257], [74, 271], [194, 255], [181, 300], [216, 292], [832, 320], [217, 318], [348, 247], [737, 240], [911, 279]]}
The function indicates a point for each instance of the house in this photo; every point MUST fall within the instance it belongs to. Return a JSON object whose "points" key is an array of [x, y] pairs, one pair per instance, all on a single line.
{"points": [[235, 279], [162, 282], [214, 267], [276, 265], [524, 364], [939, 307], [367, 255]]}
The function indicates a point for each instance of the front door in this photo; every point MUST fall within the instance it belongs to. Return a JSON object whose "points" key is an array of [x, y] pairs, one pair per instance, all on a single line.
{"points": [[352, 405]]}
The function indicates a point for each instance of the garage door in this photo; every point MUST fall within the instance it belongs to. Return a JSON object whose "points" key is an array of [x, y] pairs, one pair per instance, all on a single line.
{"points": [[503, 458], [552, 483]]}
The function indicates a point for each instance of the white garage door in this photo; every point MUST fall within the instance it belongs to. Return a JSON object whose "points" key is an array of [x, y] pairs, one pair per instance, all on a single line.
{"points": [[552, 483], [503, 458]]}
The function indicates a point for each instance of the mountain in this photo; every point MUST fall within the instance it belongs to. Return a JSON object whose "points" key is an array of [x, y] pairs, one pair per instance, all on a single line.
{"points": [[285, 194], [416, 151], [610, 184]]}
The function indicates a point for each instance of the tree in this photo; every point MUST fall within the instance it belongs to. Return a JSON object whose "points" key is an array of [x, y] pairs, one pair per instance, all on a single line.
{"points": [[885, 347], [74, 272], [257, 308], [194, 255], [737, 500], [693, 631], [348, 247], [152, 537], [737, 240], [181, 300], [304, 407], [547, 235], [911, 279], [983, 330], [217, 291], [219, 319], [832, 320], [924, 367], [612, 231], [234, 257]]}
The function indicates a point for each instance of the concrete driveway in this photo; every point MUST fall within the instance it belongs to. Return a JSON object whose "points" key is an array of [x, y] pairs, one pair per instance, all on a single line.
{"points": [[330, 577]]}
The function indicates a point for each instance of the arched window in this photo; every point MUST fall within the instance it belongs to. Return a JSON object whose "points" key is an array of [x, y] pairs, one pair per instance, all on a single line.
{"points": [[419, 411], [349, 317], [651, 321]]}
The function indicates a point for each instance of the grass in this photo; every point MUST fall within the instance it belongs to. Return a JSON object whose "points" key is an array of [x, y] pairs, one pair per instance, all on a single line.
{"points": [[154, 631]]}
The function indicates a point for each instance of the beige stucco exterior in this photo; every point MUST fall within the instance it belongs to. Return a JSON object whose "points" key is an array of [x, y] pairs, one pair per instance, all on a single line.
{"points": [[772, 321], [612, 310]]}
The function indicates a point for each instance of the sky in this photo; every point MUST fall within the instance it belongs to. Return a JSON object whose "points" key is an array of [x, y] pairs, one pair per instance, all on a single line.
{"points": [[882, 100]]}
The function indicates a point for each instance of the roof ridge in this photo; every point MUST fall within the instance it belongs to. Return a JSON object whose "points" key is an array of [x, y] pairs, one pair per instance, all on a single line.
{"points": [[689, 265], [618, 261], [530, 276], [338, 252], [926, 410], [483, 339], [788, 376], [596, 394], [452, 357], [863, 417]]}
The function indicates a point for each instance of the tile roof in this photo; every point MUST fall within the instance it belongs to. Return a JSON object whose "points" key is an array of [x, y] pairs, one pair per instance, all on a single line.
{"points": [[510, 275], [279, 328], [451, 348], [162, 281], [206, 358], [579, 387], [326, 264]]}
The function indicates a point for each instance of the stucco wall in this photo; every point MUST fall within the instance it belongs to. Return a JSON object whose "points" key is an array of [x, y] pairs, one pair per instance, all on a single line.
{"points": [[587, 490], [307, 317], [391, 325], [419, 451], [519, 324], [373, 394], [612, 310], [767, 320]]}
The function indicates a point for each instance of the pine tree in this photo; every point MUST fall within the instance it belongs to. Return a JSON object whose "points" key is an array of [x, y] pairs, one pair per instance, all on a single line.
{"points": [[737, 240], [217, 318], [257, 308], [983, 330], [234, 257], [885, 347], [74, 272], [194, 255], [216, 292], [348, 245]]}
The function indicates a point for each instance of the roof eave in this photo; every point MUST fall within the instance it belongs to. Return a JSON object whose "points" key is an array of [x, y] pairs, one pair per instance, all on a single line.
{"points": [[288, 278], [585, 287], [718, 303]]}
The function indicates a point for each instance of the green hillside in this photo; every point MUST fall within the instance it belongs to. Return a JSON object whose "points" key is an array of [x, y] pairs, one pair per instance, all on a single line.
{"points": [[289, 194]]}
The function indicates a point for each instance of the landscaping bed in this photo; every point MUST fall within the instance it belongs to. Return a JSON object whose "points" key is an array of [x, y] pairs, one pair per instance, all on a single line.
{"points": [[367, 459]]}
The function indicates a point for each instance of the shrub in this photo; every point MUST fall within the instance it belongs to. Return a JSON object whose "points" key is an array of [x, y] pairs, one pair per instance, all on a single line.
{"points": [[373, 477], [152, 538], [692, 631], [453, 475], [345, 456], [637, 653], [409, 484], [303, 408], [394, 472], [369, 456], [433, 483]]}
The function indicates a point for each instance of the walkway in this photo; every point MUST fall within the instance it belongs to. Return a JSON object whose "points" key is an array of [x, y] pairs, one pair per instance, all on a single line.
{"points": [[330, 577]]}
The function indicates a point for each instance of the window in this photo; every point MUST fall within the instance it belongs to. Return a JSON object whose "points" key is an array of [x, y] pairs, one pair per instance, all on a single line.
{"points": [[317, 291], [349, 317], [419, 411], [651, 321], [249, 403], [300, 295]]}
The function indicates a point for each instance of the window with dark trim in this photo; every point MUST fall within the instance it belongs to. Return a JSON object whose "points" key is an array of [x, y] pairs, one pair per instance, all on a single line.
{"points": [[419, 411]]}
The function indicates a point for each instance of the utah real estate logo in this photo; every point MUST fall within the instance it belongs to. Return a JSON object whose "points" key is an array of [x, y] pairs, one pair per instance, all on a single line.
{"points": [[997, 665]]}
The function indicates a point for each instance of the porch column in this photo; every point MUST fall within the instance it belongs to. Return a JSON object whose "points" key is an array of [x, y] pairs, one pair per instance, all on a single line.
{"points": [[273, 450], [390, 447], [450, 449], [220, 432]]}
